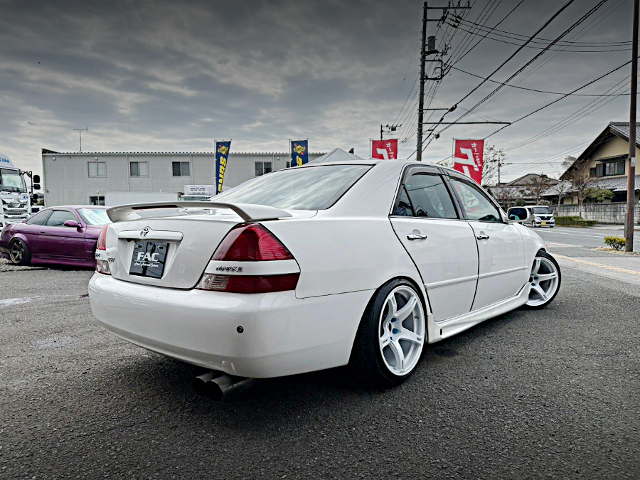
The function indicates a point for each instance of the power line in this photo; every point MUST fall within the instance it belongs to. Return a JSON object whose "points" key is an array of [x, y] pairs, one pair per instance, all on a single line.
{"points": [[535, 89], [503, 64], [573, 26], [454, 61]]}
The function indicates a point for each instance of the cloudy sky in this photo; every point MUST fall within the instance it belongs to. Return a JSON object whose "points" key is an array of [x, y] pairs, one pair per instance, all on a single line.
{"points": [[173, 76]]}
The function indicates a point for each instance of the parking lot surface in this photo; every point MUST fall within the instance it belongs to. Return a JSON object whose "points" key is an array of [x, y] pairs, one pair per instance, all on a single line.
{"points": [[530, 394]]}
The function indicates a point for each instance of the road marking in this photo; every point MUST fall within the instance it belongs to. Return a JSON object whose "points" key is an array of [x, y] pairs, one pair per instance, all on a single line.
{"points": [[578, 235], [16, 301], [600, 265]]}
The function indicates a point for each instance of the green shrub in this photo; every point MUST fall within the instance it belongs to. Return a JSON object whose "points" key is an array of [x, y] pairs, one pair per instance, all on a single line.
{"points": [[575, 222], [617, 243]]}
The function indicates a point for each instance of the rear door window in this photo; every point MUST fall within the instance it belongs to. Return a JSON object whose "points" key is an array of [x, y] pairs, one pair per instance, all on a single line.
{"points": [[425, 195]]}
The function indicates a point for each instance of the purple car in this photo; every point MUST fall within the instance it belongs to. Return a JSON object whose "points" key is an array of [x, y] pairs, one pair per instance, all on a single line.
{"points": [[57, 235]]}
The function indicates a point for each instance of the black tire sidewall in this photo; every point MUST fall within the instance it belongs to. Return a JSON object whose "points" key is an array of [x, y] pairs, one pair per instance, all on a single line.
{"points": [[366, 357], [26, 256]]}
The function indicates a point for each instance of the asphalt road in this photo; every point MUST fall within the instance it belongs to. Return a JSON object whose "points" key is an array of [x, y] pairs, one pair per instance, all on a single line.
{"points": [[531, 394], [583, 237]]}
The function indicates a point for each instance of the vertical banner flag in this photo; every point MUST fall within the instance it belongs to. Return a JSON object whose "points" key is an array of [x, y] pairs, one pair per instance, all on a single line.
{"points": [[299, 152], [385, 149], [222, 158], [468, 158]]}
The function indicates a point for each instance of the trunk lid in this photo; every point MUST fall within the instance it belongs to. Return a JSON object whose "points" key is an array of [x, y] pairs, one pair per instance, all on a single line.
{"points": [[166, 252], [173, 251]]}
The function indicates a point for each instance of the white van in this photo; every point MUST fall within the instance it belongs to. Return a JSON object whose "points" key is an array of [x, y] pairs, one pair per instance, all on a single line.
{"points": [[533, 215]]}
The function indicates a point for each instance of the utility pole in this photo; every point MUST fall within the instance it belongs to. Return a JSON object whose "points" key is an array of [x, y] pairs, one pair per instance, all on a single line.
{"points": [[631, 189], [425, 51], [80, 130], [423, 57]]}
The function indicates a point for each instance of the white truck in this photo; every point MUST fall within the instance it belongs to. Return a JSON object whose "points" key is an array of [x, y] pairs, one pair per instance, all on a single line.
{"points": [[14, 194]]}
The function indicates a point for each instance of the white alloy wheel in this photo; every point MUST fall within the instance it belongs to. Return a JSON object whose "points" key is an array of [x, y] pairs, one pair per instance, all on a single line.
{"points": [[401, 330], [544, 279]]}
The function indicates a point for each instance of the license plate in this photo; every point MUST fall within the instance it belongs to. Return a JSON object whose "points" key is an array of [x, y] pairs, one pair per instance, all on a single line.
{"points": [[544, 223], [148, 259]]}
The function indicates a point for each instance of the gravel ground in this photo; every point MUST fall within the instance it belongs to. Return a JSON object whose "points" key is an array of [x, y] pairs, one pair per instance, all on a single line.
{"points": [[530, 394]]}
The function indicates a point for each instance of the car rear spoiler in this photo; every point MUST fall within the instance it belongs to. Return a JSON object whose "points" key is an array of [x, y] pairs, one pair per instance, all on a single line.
{"points": [[248, 212]]}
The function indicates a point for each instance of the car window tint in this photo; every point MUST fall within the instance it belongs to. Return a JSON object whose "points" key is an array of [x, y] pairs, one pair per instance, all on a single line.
{"points": [[475, 203], [429, 196], [58, 217], [403, 206], [39, 218]]}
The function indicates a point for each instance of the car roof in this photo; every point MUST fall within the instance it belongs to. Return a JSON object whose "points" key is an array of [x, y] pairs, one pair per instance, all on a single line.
{"points": [[76, 207]]}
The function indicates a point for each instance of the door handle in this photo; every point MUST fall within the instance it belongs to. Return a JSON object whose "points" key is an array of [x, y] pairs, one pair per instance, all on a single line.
{"points": [[416, 236], [483, 236]]}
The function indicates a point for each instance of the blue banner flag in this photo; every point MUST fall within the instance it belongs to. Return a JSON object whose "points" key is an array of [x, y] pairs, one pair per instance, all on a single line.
{"points": [[222, 158], [299, 152]]}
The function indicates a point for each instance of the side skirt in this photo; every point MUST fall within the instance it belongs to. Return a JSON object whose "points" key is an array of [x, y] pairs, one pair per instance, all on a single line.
{"points": [[452, 326]]}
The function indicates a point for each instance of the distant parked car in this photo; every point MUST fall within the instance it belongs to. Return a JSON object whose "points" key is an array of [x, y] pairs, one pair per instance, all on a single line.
{"points": [[534, 215], [62, 235]]}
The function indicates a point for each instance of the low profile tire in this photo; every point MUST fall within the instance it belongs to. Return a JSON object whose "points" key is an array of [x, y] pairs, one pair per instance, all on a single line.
{"points": [[19, 252], [545, 280], [391, 336]]}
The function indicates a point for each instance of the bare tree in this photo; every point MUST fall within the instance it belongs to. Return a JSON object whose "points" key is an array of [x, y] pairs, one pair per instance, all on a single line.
{"points": [[579, 179], [562, 189], [493, 158], [538, 185]]}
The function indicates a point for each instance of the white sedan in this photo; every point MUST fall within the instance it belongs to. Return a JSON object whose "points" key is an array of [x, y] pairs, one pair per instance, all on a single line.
{"points": [[359, 263]]}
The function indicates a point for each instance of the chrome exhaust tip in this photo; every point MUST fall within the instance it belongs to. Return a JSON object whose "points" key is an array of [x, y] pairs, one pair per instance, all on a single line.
{"points": [[218, 385]]}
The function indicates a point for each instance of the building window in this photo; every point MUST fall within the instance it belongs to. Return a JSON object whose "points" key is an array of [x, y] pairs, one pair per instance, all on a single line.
{"points": [[97, 169], [180, 169], [97, 200], [608, 169], [262, 168], [139, 169]]}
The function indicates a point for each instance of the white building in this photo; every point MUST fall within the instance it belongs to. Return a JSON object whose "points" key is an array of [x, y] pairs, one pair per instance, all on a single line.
{"points": [[84, 178]]}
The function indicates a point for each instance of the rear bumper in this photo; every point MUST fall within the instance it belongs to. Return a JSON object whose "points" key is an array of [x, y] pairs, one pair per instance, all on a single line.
{"points": [[544, 223], [281, 334]]}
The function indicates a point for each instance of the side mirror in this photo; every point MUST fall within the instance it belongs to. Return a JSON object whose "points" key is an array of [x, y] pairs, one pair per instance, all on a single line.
{"points": [[36, 186], [72, 223], [36, 179]]}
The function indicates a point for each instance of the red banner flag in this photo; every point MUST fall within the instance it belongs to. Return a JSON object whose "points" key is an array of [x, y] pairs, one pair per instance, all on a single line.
{"points": [[468, 158], [385, 149]]}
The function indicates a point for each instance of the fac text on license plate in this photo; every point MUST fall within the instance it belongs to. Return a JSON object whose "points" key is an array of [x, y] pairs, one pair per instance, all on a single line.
{"points": [[148, 259]]}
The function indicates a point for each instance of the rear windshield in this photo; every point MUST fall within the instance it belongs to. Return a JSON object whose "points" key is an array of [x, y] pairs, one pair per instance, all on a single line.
{"points": [[309, 188], [542, 210]]}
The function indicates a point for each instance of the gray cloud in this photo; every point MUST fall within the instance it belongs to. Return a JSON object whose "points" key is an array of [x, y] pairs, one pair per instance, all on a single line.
{"points": [[175, 75]]}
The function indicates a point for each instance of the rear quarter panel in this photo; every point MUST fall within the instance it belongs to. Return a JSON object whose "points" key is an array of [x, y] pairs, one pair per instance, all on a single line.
{"points": [[339, 255]]}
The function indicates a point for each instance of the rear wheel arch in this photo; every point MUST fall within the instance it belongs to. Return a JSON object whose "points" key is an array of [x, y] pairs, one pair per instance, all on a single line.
{"points": [[363, 361]]}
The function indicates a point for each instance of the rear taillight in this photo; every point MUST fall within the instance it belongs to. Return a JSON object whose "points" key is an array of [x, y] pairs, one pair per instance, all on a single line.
{"points": [[102, 238], [250, 243], [102, 265]]}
